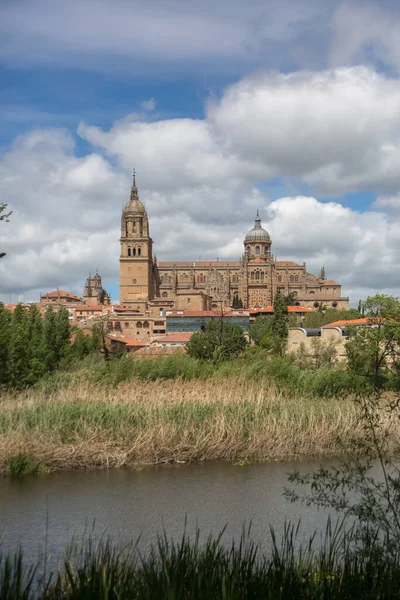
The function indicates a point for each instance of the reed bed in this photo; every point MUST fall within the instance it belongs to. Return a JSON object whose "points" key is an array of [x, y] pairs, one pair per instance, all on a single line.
{"points": [[86, 426], [189, 570]]}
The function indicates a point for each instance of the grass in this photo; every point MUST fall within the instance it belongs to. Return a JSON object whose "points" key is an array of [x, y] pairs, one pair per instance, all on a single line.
{"points": [[89, 425], [21, 464], [188, 570]]}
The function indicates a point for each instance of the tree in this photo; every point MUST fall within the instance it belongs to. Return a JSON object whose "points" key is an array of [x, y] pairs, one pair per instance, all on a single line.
{"points": [[4, 217], [5, 337], [261, 327], [370, 497], [280, 324], [237, 302], [220, 340], [373, 351]]}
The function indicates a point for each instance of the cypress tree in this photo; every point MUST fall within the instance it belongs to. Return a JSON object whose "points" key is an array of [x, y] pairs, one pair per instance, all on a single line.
{"points": [[280, 324], [5, 337]]}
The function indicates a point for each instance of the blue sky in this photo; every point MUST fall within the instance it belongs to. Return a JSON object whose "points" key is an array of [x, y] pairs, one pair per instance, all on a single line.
{"points": [[291, 107]]}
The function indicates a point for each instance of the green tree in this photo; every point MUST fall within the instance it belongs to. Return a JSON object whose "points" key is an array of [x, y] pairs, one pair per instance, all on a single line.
{"points": [[5, 337], [262, 326], [19, 349], [280, 324], [373, 351], [50, 339], [82, 344], [4, 217], [220, 340], [63, 334]]}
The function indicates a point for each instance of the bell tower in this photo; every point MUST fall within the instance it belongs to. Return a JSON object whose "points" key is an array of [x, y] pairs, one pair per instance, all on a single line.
{"points": [[136, 260]]}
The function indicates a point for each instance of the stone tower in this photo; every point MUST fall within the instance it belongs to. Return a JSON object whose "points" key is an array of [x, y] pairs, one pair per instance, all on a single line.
{"points": [[136, 261], [256, 286]]}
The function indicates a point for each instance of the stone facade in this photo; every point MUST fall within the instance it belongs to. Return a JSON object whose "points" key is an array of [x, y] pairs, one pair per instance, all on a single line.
{"points": [[255, 278]]}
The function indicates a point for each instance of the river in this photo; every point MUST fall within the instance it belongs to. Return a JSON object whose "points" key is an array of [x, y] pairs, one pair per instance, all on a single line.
{"points": [[127, 504]]}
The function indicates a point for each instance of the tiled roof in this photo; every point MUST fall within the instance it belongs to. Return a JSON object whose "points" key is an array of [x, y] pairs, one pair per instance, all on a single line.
{"points": [[257, 260], [330, 282], [61, 294], [363, 321], [286, 263], [175, 337], [98, 307]]}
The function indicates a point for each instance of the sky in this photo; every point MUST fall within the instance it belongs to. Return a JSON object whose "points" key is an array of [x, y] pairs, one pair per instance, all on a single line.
{"points": [[291, 107]]}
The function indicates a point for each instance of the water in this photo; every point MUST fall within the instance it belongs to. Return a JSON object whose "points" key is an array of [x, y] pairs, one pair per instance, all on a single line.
{"points": [[127, 504]]}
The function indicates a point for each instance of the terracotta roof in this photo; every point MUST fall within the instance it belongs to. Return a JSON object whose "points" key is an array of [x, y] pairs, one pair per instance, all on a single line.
{"points": [[363, 321], [287, 263], [61, 294], [330, 282], [175, 337], [257, 260]]}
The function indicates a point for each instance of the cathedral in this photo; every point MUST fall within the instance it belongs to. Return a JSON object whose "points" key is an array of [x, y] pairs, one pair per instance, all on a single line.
{"points": [[251, 282]]}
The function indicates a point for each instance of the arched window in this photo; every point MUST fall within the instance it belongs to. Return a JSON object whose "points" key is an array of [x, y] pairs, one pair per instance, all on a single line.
{"points": [[262, 275], [134, 252], [248, 250], [235, 279], [170, 279], [252, 276], [334, 304], [164, 295], [266, 249], [257, 274], [146, 325], [291, 278], [126, 323], [129, 251], [296, 278], [139, 252], [279, 278], [257, 249], [139, 325]]}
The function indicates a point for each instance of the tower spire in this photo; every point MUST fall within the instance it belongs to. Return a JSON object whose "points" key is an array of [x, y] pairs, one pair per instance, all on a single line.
{"points": [[134, 191]]}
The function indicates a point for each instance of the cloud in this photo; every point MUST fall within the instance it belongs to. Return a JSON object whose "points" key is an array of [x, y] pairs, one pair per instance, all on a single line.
{"points": [[328, 128], [200, 180], [367, 33], [133, 35], [148, 105]]}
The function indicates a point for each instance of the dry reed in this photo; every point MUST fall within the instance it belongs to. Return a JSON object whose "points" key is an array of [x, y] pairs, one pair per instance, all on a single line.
{"points": [[137, 423]]}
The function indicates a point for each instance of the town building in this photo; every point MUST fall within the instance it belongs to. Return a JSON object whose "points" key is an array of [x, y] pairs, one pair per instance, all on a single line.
{"points": [[254, 279]]}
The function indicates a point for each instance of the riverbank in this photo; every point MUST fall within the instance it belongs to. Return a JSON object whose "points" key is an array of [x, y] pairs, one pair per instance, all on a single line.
{"points": [[84, 425]]}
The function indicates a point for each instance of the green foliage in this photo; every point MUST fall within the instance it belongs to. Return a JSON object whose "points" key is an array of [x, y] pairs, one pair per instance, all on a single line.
{"points": [[31, 346], [260, 327], [188, 569], [331, 315], [220, 341], [20, 465], [280, 324], [372, 352], [237, 302]]}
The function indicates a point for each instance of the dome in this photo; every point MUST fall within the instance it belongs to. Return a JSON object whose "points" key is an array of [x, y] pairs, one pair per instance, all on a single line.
{"points": [[134, 205], [257, 234]]}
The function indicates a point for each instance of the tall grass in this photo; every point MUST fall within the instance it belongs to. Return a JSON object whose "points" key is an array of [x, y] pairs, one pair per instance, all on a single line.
{"points": [[188, 570], [88, 425]]}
